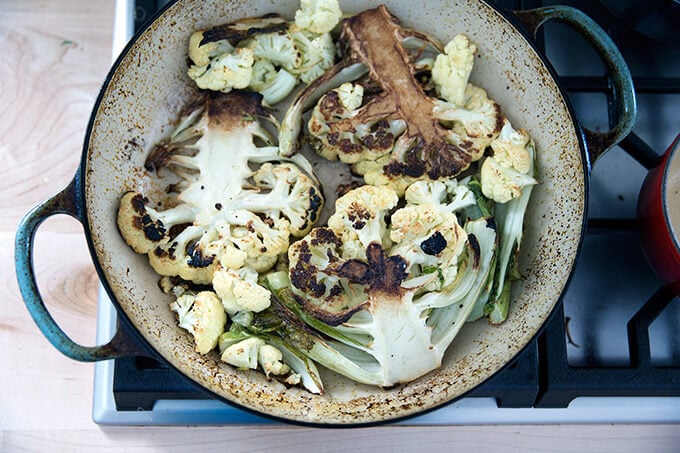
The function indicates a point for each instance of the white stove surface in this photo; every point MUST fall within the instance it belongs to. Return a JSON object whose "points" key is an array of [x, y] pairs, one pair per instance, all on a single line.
{"points": [[611, 197], [466, 411]]}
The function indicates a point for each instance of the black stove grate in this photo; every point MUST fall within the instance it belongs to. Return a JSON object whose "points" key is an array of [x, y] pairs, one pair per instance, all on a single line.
{"points": [[541, 375]]}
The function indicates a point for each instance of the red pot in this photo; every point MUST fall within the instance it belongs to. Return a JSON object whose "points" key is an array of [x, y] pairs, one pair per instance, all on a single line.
{"points": [[659, 213]]}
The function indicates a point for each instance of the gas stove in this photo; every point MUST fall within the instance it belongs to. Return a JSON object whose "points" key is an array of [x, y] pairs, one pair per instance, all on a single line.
{"points": [[610, 354]]}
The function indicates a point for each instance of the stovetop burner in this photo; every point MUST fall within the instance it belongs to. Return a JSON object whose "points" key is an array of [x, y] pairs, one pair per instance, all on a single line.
{"points": [[614, 336]]}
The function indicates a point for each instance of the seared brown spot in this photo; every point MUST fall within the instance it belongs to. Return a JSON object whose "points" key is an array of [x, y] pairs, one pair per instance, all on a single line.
{"points": [[332, 138], [336, 291], [153, 230], [349, 147], [315, 205], [138, 203], [325, 236], [159, 157], [358, 215], [330, 105], [381, 139], [232, 110], [476, 249], [330, 318], [388, 272], [356, 271], [196, 257], [172, 249], [303, 275], [381, 273], [160, 252], [342, 189], [245, 28], [433, 245]]}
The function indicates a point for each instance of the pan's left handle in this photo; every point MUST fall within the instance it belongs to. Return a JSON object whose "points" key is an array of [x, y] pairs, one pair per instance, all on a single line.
{"points": [[65, 202], [626, 107]]}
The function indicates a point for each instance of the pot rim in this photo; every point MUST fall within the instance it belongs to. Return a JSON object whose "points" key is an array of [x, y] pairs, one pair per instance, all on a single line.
{"points": [[150, 351]]}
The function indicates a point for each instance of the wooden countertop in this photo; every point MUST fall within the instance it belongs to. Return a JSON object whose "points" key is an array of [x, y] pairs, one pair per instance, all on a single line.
{"points": [[54, 57]]}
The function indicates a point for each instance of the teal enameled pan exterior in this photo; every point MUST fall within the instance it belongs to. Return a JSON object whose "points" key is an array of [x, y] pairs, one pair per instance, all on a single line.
{"points": [[144, 93]]}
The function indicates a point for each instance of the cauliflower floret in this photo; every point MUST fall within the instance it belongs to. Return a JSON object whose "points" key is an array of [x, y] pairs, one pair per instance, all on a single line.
{"points": [[510, 169], [140, 230], [239, 290], [271, 360], [452, 69], [355, 141], [243, 354], [351, 95], [278, 48], [475, 124], [318, 53], [291, 194], [510, 149], [502, 184], [359, 218], [201, 55], [431, 238], [421, 135], [273, 84], [446, 195], [225, 72], [266, 54], [203, 316], [407, 280], [318, 16], [262, 241], [246, 352]]}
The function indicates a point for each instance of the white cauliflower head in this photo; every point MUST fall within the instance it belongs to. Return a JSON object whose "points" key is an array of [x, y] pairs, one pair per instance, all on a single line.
{"points": [[225, 72], [270, 359], [239, 290], [201, 53], [402, 131], [318, 16], [266, 54], [452, 69], [504, 174], [203, 316], [243, 354]]}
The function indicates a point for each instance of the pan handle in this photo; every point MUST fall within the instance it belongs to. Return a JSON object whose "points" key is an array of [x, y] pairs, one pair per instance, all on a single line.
{"points": [[65, 202], [624, 91]]}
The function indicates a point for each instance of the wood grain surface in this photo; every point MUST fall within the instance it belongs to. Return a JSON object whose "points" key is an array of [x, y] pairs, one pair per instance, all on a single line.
{"points": [[55, 54]]}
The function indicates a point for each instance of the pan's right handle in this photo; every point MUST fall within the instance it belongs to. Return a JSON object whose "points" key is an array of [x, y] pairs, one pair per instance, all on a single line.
{"points": [[65, 202], [626, 108]]}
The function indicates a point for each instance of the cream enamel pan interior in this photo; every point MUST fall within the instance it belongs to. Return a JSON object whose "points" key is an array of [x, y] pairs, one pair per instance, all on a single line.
{"points": [[143, 97]]}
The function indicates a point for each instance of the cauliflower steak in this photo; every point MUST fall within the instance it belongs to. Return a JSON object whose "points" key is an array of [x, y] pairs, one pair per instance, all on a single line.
{"points": [[391, 286]]}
